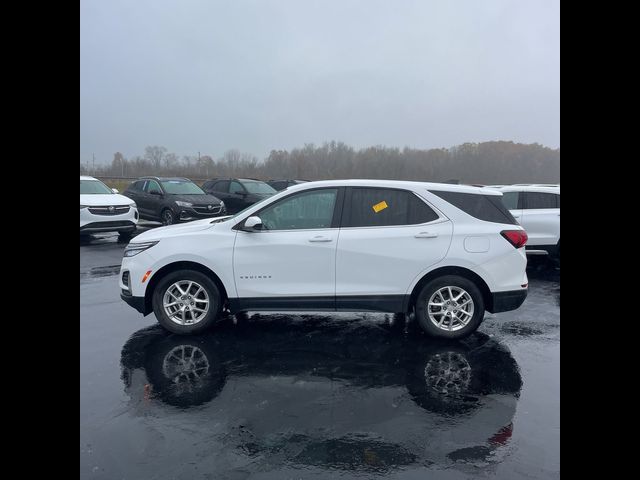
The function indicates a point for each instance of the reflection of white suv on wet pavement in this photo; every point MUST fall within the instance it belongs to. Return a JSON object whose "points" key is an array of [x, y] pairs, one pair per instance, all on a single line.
{"points": [[449, 252], [102, 209], [537, 209]]}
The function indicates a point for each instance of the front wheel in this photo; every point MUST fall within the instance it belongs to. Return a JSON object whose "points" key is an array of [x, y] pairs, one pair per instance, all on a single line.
{"points": [[186, 302], [167, 217], [450, 307]]}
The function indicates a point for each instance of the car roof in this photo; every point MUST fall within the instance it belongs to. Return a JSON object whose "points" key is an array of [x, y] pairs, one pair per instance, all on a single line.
{"points": [[164, 179], [529, 188], [412, 185]]}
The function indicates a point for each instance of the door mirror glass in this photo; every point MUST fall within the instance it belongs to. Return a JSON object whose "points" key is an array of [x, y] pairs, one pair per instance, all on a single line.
{"points": [[253, 223]]}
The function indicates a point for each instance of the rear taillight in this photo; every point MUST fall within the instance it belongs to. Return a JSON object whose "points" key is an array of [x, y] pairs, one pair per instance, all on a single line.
{"points": [[517, 238]]}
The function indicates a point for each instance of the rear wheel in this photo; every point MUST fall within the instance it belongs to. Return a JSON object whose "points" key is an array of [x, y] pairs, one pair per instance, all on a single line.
{"points": [[450, 307], [186, 302]]}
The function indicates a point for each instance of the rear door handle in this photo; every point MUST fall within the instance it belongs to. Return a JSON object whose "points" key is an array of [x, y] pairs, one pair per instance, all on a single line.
{"points": [[320, 238], [426, 235]]}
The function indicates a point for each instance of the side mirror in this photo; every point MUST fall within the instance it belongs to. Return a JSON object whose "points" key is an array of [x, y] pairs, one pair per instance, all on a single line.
{"points": [[115, 190], [253, 223], [155, 192]]}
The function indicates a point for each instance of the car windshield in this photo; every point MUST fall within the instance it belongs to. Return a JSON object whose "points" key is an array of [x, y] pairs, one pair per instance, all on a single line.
{"points": [[181, 187], [94, 187], [258, 187]]}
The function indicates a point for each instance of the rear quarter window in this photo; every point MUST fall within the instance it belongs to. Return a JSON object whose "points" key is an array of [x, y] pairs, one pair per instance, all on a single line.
{"points": [[483, 207]]}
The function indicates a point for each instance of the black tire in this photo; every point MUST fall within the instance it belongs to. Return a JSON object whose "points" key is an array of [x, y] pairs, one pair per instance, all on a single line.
{"points": [[215, 302], [167, 217], [125, 234], [453, 281]]}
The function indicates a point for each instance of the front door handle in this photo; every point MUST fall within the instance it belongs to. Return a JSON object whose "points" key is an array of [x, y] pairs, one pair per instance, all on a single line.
{"points": [[426, 235], [320, 238]]}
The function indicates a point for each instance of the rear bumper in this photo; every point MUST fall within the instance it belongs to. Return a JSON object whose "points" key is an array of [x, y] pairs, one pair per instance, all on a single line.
{"points": [[136, 302], [505, 301]]}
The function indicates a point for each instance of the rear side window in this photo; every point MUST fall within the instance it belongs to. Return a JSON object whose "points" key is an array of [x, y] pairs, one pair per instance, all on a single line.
{"points": [[484, 207], [510, 200], [137, 186], [379, 207], [221, 186], [541, 200]]}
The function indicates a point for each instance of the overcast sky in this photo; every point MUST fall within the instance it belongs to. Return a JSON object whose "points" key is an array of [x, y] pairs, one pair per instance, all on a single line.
{"points": [[257, 75]]}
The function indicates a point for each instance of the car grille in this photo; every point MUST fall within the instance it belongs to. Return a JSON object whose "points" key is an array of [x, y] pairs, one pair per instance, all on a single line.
{"points": [[205, 209], [109, 210]]}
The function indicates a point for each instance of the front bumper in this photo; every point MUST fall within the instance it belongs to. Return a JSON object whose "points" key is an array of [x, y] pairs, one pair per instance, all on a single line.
{"points": [[91, 222], [506, 301], [136, 302], [110, 226], [186, 214]]}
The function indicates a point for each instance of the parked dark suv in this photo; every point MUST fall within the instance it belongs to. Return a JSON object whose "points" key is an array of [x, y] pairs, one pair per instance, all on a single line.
{"points": [[173, 200], [238, 193], [282, 184]]}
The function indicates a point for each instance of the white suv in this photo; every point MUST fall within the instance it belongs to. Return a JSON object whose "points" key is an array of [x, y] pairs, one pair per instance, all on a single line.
{"points": [[537, 209], [102, 209], [449, 252]]}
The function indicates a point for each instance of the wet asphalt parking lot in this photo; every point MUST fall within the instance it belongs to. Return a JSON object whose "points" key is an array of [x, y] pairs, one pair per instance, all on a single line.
{"points": [[277, 396]]}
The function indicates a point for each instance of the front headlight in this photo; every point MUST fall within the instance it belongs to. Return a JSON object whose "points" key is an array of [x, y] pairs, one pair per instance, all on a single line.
{"points": [[135, 248], [132, 205], [222, 204], [83, 206], [184, 204]]}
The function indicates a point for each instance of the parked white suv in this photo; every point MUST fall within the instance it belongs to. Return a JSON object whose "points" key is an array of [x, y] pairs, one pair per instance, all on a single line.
{"points": [[102, 209], [449, 252], [537, 209]]}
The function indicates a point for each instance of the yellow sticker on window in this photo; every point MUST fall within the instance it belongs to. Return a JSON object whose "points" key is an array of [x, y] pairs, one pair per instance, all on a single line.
{"points": [[380, 206]]}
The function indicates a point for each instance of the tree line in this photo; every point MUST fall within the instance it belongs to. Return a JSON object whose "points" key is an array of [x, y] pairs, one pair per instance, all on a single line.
{"points": [[494, 162]]}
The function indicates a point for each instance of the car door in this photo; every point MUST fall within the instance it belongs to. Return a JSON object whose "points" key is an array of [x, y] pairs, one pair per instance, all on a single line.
{"points": [[387, 238], [513, 202], [237, 196], [293, 256], [152, 202], [220, 189], [541, 217], [134, 191]]}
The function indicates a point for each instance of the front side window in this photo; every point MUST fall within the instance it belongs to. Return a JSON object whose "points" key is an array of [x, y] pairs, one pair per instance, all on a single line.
{"points": [[94, 187], [152, 185], [258, 187], [305, 210], [180, 187], [236, 188], [541, 200], [378, 207]]}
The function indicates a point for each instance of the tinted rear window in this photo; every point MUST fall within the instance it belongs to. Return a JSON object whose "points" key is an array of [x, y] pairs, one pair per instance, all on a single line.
{"points": [[484, 207], [378, 207], [541, 200]]}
